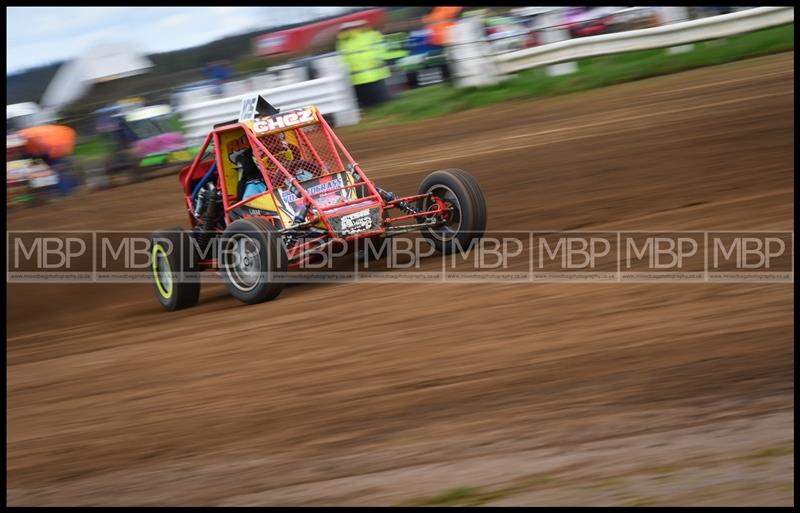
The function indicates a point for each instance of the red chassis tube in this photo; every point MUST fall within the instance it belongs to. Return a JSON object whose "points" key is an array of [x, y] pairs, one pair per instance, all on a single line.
{"points": [[317, 212]]}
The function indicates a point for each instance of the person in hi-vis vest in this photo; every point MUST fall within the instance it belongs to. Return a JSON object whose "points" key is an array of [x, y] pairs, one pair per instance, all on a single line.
{"points": [[363, 50]]}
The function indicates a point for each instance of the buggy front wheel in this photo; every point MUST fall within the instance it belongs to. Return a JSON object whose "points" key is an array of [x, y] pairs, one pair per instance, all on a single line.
{"points": [[252, 260], [465, 216]]}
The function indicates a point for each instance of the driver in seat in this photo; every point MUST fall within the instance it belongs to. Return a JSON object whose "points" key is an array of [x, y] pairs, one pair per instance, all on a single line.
{"points": [[251, 181]]}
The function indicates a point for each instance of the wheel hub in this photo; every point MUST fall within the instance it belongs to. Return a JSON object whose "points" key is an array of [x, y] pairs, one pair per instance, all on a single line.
{"points": [[450, 211], [244, 269]]}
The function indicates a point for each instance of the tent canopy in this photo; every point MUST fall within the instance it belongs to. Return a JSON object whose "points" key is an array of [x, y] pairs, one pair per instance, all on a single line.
{"points": [[98, 64], [21, 109]]}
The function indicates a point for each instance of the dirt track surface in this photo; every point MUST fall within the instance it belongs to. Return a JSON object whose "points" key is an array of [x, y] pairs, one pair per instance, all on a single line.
{"points": [[546, 394]]}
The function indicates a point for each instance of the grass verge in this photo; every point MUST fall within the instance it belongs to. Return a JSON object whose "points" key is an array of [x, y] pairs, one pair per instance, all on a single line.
{"points": [[463, 496], [441, 99]]}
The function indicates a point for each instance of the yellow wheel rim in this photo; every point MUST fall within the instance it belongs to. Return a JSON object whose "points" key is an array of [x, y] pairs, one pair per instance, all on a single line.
{"points": [[166, 293]]}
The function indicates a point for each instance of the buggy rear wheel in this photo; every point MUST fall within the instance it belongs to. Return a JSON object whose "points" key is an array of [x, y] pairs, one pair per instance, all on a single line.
{"points": [[251, 256], [176, 285], [466, 218]]}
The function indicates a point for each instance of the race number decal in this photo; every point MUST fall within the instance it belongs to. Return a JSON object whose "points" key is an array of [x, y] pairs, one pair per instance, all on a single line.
{"points": [[248, 108], [317, 189], [356, 222], [280, 122]]}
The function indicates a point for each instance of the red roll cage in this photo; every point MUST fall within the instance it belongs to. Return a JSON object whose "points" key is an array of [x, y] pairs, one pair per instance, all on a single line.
{"points": [[315, 212]]}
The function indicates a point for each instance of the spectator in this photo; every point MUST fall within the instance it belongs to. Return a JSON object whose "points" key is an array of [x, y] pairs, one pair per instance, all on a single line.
{"points": [[219, 72], [53, 144], [363, 50]]}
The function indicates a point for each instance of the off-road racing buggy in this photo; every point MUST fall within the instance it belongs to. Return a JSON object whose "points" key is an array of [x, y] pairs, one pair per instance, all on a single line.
{"points": [[314, 196]]}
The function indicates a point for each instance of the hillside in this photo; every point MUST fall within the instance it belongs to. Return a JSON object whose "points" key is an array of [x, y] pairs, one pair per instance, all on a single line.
{"points": [[171, 68]]}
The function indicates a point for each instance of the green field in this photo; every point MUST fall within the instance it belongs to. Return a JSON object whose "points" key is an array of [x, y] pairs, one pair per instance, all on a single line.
{"points": [[441, 99]]}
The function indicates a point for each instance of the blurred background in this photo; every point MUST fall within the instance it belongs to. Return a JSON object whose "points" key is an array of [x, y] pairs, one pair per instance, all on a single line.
{"points": [[429, 393], [140, 87]]}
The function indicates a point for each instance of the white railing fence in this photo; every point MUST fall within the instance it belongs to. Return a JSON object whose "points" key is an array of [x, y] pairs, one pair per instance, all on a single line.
{"points": [[333, 94], [472, 63], [665, 36]]}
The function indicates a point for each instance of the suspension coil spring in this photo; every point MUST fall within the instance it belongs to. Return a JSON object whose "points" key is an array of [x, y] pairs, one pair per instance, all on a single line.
{"points": [[403, 205], [210, 201]]}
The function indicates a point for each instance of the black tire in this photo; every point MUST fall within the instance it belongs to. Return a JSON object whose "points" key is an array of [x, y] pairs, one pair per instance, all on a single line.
{"points": [[249, 277], [461, 190], [170, 253]]}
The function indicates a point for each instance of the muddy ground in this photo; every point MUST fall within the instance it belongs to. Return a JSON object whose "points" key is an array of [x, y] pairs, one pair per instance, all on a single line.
{"points": [[484, 393]]}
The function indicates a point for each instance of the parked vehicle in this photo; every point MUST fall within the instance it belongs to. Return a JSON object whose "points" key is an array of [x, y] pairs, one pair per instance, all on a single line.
{"points": [[425, 63], [506, 34], [582, 22], [28, 181], [145, 138]]}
